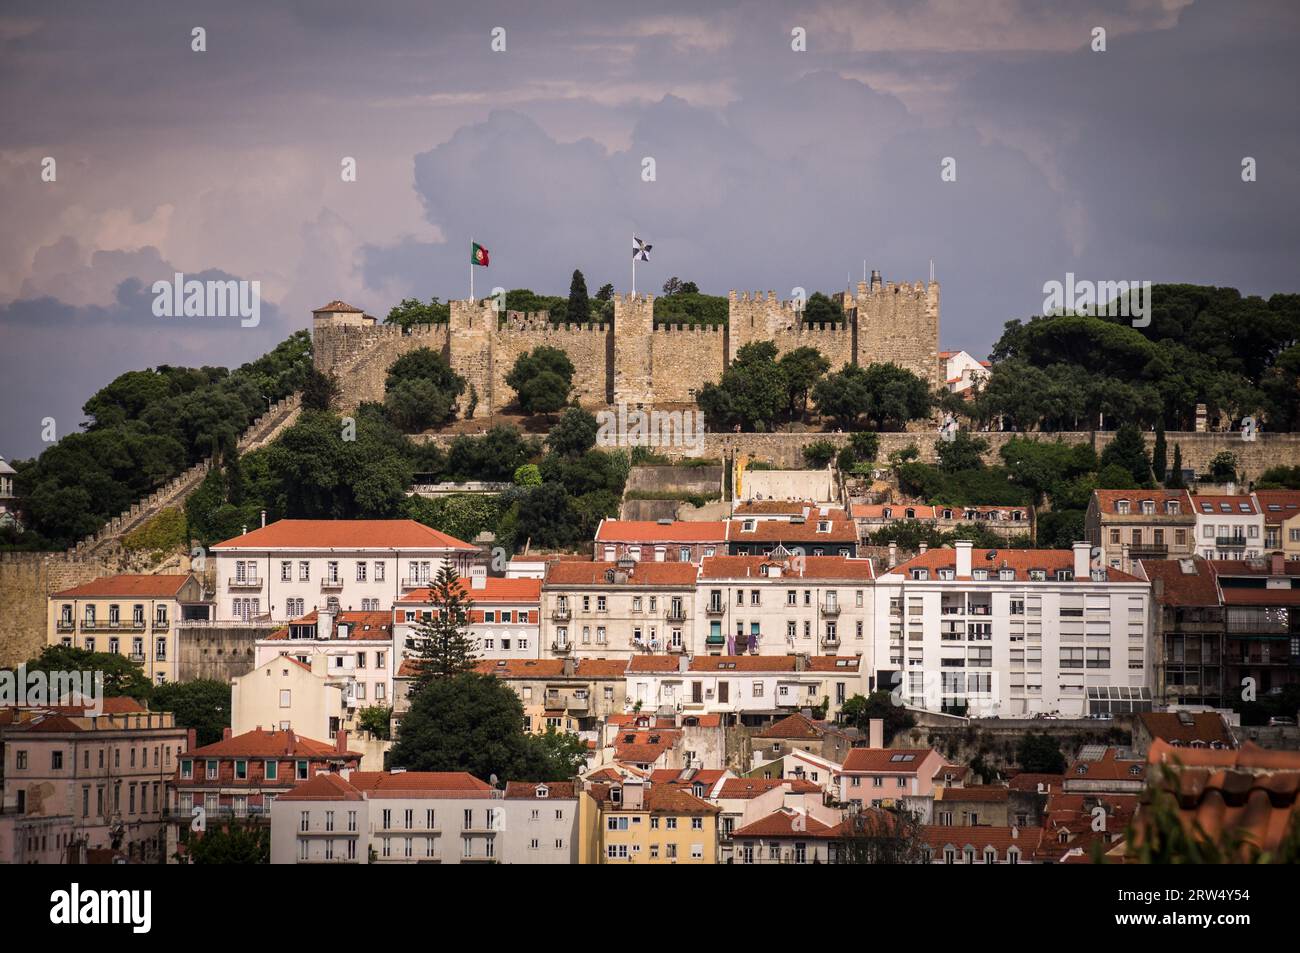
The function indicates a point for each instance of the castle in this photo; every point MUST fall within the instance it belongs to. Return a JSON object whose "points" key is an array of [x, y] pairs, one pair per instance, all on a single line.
{"points": [[630, 361]]}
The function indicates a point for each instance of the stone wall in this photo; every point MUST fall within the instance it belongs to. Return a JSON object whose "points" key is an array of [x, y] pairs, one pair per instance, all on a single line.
{"points": [[899, 324], [26, 582], [683, 358], [220, 651]]}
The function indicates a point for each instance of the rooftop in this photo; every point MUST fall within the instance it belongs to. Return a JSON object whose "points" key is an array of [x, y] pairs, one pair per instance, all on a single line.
{"points": [[345, 535]]}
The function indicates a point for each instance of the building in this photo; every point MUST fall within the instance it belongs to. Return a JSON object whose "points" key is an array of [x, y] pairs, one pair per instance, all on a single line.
{"points": [[131, 615], [1189, 631], [504, 619], [569, 694], [824, 534], [798, 732], [982, 805], [638, 822], [1261, 607], [1008, 522], [744, 689], [618, 609], [889, 777], [1182, 729], [240, 776], [686, 541], [1129, 525], [285, 694], [422, 817], [1281, 511], [294, 567], [1228, 527], [961, 371], [781, 604], [1099, 769], [74, 781], [981, 845], [1014, 632], [787, 836], [8, 498], [358, 652]]}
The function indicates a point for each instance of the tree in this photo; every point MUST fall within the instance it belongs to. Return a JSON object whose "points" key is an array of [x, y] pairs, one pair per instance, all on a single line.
{"points": [[1040, 754], [962, 453], [859, 712], [821, 309], [878, 836], [1175, 480], [121, 675], [202, 704], [412, 311], [887, 395], [605, 293], [802, 368], [574, 433], [443, 648], [752, 393], [473, 723], [579, 309], [1160, 456], [319, 390], [1223, 468], [494, 456], [528, 475], [376, 719], [818, 453], [541, 379], [421, 390], [1128, 450], [239, 842]]}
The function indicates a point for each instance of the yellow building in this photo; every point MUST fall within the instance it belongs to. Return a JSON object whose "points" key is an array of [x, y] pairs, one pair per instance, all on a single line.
{"points": [[636, 822], [131, 615]]}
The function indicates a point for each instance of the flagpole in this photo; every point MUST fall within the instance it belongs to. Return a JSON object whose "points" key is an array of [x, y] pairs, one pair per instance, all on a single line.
{"points": [[471, 269], [634, 264]]}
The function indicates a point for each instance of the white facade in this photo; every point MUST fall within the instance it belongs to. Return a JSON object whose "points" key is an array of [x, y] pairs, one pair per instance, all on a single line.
{"points": [[1228, 527], [962, 371], [742, 685], [1046, 634], [357, 651]]}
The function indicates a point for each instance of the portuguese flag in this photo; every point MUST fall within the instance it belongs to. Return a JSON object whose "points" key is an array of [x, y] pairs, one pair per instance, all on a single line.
{"points": [[478, 255]]}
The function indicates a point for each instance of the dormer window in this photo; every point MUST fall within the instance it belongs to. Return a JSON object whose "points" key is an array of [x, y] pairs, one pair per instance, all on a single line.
{"points": [[823, 526], [748, 526], [1148, 507], [947, 574], [1064, 575], [1006, 575], [1038, 575], [920, 574], [911, 513], [1171, 507], [1121, 507], [543, 791], [887, 513], [980, 574]]}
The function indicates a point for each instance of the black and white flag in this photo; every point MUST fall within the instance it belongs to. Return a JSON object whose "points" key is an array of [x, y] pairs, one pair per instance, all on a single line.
{"points": [[640, 249]]}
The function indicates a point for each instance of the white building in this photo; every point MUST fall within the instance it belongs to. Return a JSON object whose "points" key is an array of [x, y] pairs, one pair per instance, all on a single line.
{"points": [[618, 609], [1014, 632], [962, 371], [357, 648], [1228, 527], [292, 567], [284, 694], [504, 619], [817, 605]]}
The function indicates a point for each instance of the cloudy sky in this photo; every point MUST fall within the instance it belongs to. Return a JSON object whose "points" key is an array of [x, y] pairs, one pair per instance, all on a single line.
{"points": [[774, 168]]}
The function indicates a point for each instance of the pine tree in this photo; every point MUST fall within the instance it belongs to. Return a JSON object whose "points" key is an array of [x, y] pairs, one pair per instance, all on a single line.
{"points": [[579, 310], [444, 648], [1128, 450], [1160, 455]]}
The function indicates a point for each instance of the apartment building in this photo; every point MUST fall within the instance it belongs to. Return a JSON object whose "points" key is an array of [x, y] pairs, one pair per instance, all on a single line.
{"points": [[569, 694], [1228, 527], [1189, 631], [982, 845], [75, 781], [782, 604], [357, 647], [1008, 522], [131, 615], [826, 531], [423, 817], [240, 776], [1281, 510], [1261, 609], [637, 822], [1129, 525], [293, 567], [744, 689], [284, 693], [504, 617], [1014, 633], [686, 541], [888, 777], [617, 609]]}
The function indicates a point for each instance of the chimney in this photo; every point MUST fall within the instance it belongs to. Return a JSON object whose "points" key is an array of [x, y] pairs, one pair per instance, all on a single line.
{"points": [[875, 280], [290, 741], [1158, 587], [263, 519], [963, 558], [923, 548], [478, 577], [1082, 560], [191, 739], [243, 530], [876, 733], [226, 733], [893, 554], [683, 664], [570, 666], [324, 623], [1277, 564], [341, 741]]}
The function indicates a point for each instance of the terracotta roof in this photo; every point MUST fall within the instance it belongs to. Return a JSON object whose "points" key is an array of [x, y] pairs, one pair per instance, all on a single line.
{"points": [[1185, 728], [649, 574], [788, 823], [116, 705], [339, 306], [922, 511], [394, 784], [1255, 568], [981, 793], [49, 723], [666, 799], [654, 663], [886, 760], [1238, 596], [527, 790], [810, 567], [345, 535], [1181, 588], [1278, 505], [127, 586], [746, 788], [1029, 781], [323, 787], [361, 626], [687, 776], [1021, 561], [650, 531], [1110, 766], [794, 726], [1001, 839], [1106, 500], [1251, 792], [841, 530], [496, 589], [269, 744], [786, 508], [1237, 505]]}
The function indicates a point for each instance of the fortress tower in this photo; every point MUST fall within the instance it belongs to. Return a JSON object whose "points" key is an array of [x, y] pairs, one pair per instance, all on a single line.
{"points": [[634, 320], [899, 323], [471, 353]]}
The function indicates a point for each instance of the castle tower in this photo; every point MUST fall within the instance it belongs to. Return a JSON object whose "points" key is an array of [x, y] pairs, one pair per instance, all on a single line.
{"points": [[336, 328], [633, 339], [473, 329], [899, 324], [755, 317]]}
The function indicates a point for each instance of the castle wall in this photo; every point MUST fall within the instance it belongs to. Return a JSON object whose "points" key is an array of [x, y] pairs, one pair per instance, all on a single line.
{"points": [[586, 345], [27, 580], [899, 324], [683, 358]]}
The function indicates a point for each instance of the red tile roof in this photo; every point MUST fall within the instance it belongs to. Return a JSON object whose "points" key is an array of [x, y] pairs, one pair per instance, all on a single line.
{"points": [[789, 823], [649, 574], [809, 567], [394, 784], [1234, 505], [323, 787], [1106, 500], [1179, 588], [361, 626], [1186, 728], [1001, 839], [979, 793], [527, 790], [1030, 781], [496, 589], [127, 586], [795, 726], [746, 788], [1278, 505], [786, 508], [1109, 767], [650, 531], [346, 535], [887, 760], [1021, 561], [841, 530], [269, 744]]}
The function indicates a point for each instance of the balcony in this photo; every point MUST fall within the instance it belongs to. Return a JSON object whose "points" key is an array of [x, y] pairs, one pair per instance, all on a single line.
{"points": [[676, 614], [578, 703], [561, 614], [676, 649], [416, 582], [561, 648], [831, 609], [715, 608], [831, 641], [248, 582], [1230, 542], [331, 585], [1148, 551], [65, 625], [137, 657]]}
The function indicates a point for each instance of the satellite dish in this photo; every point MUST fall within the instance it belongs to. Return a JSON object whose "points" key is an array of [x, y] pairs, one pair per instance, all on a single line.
{"points": [[493, 780], [991, 554]]}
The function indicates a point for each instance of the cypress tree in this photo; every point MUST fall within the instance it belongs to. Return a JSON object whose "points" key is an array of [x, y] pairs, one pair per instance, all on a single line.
{"points": [[1175, 480], [579, 310], [1159, 455]]}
